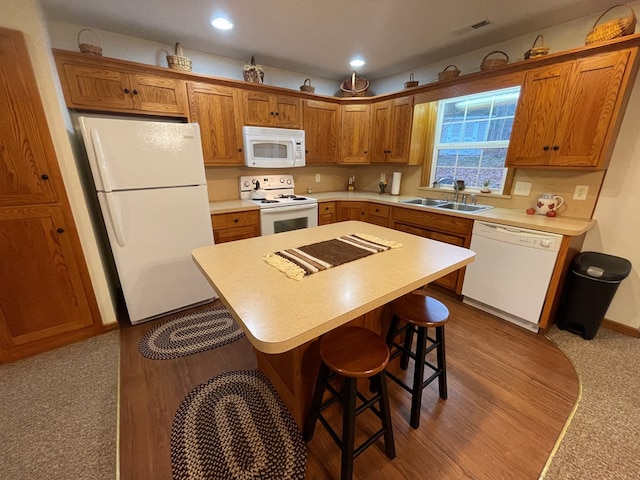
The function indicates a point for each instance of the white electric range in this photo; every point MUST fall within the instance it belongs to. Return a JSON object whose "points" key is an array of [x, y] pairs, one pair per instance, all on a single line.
{"points": [[281, 209]]}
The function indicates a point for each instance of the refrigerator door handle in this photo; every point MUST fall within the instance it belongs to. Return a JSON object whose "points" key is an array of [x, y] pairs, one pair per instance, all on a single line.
{"points": [[115, 220], [102, 164]]}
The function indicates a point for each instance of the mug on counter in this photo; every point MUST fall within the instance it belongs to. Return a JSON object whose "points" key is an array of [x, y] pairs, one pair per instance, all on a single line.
{"points": [[548, 202]]}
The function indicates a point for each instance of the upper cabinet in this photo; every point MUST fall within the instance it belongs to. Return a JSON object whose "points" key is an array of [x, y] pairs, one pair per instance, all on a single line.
{"points": [[391, 130], [568, 113], [322, 121], [355, 134], [215, 108], [89, 85], [271, 110]]}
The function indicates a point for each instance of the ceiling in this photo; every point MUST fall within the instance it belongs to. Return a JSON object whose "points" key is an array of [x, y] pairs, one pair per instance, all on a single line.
{"points": [[320, 37]]}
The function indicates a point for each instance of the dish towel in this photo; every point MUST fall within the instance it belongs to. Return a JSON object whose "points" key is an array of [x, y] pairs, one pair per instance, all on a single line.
{"points": [[297, 263]]}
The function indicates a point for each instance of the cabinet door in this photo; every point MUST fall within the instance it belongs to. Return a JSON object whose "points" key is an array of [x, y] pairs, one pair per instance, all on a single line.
{"points": [[326, 213], [355, 134], [537, 115], [41, 293], [24, 135], [322, 127], [400, 130], [288, 111], [97, 87], [380, 127], [257, 109], [590, 109], [159, 94], [215, 109], [351, 211]]}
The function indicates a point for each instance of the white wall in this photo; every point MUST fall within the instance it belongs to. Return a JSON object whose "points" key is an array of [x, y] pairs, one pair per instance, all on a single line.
{"points": [[25, 15]]}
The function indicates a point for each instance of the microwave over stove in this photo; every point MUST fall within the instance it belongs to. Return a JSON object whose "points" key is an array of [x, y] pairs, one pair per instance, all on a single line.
{"points": [[273, 147]]}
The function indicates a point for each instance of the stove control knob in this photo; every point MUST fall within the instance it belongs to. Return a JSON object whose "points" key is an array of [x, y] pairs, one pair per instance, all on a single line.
{"points": [[288, 181], [281, 180], [545, 243], [246, 183]]}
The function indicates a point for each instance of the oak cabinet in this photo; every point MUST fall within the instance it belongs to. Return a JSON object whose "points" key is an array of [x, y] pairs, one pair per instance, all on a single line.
{"points": [[567, 113], [326, 213], [351, 211], [440, 227], [322, 121], [46, 296], [232, 226], [271, 110], [215, 108], [354, 135], [378, 214], [391, 130], [88, 85]]}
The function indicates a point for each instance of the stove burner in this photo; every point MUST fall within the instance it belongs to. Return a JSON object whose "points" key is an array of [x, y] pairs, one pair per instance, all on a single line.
{"points": [[266, 200], [292, 197]]}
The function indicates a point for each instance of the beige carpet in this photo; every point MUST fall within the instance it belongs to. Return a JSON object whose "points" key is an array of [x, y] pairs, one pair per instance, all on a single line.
{"points": [[58, 413], [603, 439]]}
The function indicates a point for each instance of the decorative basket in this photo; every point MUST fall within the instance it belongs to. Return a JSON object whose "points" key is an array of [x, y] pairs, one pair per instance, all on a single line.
{"points": [[253, 73], [87, 47], [539, 51], [306, 86], [354, 86], [411, 82], [491, 63], [618, 27], [178, 61], [447, 74]]}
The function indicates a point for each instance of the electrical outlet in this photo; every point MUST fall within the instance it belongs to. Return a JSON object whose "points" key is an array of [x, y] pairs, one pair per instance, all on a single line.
{"points": [[522, 188], [580, 193], [317, 178], [382, 177]]}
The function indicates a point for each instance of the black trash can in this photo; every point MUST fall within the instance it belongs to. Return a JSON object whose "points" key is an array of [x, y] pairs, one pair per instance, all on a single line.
{"points": [[591, 284]]}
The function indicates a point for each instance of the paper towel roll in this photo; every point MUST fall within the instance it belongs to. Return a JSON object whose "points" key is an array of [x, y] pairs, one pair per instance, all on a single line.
{"points": [[395, 183]]}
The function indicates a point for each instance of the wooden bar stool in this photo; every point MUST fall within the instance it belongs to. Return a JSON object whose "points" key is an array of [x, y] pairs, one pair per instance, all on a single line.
{"points": [[419, 312], [352, 353]]}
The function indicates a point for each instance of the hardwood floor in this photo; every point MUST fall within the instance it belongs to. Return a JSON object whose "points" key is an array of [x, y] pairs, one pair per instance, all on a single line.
{"points": [[510, 394]]}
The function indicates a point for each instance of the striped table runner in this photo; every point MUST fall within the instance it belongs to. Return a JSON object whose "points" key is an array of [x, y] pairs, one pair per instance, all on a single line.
{"points": [[299, 262]]}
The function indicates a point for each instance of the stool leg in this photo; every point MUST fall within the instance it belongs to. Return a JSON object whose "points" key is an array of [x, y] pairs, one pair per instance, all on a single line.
{"points": [[312, 416], [408, 340], [442, 363], [385, 411], [392, 330], [348, 427], [418, 376]]}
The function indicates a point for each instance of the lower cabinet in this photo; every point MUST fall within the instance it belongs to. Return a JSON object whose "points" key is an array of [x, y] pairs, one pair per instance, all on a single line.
{"points": [[440, 227], [326, 213], [378, 214], [235, 226], [351, 211]]}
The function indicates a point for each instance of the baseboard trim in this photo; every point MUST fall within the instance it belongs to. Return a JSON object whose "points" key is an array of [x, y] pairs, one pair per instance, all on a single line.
{"points": [[618, 327]]}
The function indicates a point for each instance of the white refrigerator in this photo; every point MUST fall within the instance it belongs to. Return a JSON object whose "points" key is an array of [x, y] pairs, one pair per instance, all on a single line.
{"points": [[152, 190]]}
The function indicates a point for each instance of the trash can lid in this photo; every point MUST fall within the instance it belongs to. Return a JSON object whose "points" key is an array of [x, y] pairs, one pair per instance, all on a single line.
{"points": [[601, 266]]}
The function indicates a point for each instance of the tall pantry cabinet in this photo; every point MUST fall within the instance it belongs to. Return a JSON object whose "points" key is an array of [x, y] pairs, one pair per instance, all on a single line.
{"points": [[46, 297]]}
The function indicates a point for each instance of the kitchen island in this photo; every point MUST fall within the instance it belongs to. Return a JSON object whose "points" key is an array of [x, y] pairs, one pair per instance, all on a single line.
{"points": [[283, 318]]}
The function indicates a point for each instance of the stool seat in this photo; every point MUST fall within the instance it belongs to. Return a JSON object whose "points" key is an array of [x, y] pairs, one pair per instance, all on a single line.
{"points": [[419, 312], [354, 352]]}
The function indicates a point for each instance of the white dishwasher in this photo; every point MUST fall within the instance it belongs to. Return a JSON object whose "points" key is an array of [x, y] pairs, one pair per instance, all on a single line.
{"points": [[510, 275]]}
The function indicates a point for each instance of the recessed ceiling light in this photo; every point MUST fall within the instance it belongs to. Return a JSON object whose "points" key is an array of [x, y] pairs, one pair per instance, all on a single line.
{"points": [[356, 62], [222, 23]]}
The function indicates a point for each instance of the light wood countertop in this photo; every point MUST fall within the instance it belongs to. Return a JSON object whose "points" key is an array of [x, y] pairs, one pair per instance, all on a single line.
{"points": [[279, 314]]}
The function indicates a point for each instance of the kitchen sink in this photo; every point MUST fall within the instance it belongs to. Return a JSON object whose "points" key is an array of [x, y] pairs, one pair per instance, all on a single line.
{"points": [[427, 202], [446, 205], [463, 207]]}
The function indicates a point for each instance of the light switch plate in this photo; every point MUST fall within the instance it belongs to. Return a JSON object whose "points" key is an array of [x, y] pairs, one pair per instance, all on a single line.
{"points": [[522, 188], [317, 178], [580, 193]]}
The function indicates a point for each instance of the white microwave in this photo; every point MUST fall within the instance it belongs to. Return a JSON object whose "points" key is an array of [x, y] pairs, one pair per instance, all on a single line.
{"points": [[273, 147]]}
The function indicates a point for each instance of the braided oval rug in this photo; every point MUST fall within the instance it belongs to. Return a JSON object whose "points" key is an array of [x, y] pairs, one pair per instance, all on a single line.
{"points": [[236, 427], [189, 334]]}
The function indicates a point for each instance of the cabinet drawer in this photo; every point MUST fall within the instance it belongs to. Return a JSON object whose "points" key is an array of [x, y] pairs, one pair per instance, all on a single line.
{"points": [[235, 219], [237, 233], [378, 210], [327, 207], [432, 221]]}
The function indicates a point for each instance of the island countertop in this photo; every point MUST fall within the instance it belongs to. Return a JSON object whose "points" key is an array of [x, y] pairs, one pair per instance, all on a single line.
{"points": [[279, 314]]}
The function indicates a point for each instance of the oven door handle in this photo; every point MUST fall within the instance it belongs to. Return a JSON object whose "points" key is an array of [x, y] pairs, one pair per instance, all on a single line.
{"points": [[292, 208]]}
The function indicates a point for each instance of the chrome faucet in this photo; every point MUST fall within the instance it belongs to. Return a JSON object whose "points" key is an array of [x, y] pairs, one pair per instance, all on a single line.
{"points": [[454, 184]]}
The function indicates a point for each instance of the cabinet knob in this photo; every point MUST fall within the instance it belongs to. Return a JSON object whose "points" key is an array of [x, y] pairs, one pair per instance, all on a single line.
{"points": [[277, 113], [135, 92], [365, 152], [60, 230], [545, 148], [44, 176], [240, 150], [126, 90], [272, 113], [236, 220], [556, 147], [306, 151]]}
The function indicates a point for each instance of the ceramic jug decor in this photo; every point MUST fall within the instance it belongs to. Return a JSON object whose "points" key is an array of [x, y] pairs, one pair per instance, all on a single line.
{"points": [[548, 202]]}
